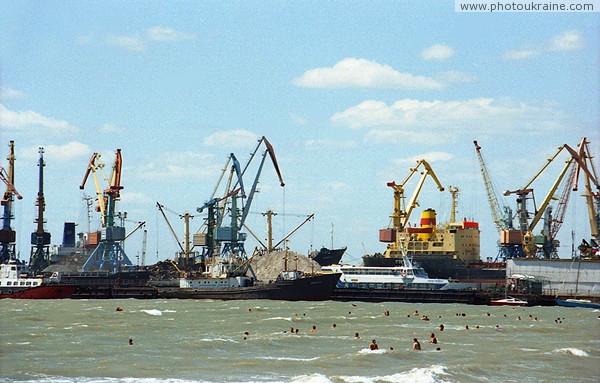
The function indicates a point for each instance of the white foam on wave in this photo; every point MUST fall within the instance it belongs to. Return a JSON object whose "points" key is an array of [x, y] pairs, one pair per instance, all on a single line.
{"points": [[61, 379], [277, 318], [364, 351], [154, 312], [288, 358], [313, 378], [431, 374], [572, 351]]}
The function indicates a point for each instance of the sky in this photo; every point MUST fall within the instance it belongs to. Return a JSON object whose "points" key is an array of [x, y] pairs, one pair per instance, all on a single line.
{"points": [[349, 93]]}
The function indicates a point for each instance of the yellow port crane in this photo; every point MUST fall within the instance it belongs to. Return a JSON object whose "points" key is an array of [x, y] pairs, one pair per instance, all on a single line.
{"points": [[109, 254], [402, 213], [546, 243]]}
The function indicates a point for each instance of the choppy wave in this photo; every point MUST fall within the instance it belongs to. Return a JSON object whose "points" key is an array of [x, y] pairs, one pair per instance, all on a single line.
{"points": [[572, 351], [288, 358], [153, 312], [313, 378], [433, 374]]}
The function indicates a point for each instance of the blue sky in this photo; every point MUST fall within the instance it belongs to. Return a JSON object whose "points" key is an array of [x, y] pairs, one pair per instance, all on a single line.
{"points": [[350, 94]]}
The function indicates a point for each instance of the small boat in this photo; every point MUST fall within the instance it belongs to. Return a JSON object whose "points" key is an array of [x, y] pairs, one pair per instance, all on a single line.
{"points": [[508, 301], [577, 303], [16, 283]]}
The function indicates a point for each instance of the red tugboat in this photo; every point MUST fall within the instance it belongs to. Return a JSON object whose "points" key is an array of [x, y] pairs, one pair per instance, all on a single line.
{"points": [[15, 283]]}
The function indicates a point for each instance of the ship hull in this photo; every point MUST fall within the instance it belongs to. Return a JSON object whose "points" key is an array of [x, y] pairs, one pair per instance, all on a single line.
{"points": [[39, 292], [445, 267], [328, 257], [313, 288]]}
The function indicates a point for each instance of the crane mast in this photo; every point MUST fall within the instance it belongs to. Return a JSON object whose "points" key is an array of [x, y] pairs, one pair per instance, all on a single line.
{"points": [[40, 239]]}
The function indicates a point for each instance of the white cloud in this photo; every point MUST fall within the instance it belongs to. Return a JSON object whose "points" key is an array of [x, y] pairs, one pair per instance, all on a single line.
{"points": [[330, 144], [59, 153], [430, 157], [392, 136], [136, 198], [140, 42], [361, 73], [434, 121], [84, 39], [566, 42], [437, 52], [11, 94], [455, 76], [179, 165], [168, 34], [232, 138], [33, 122], [133, 43], [520, 54], [110, 128]]}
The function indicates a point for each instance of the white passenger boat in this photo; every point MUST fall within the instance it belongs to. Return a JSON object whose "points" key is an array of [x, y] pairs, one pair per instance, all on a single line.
{"points": [[406, 276]]}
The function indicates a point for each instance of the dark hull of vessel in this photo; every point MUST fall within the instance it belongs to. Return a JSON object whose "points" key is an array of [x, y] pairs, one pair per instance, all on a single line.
{"points": [[328, 257], [39, 292], [577, 303], [406, 295], [312, 288], [445, 267]]}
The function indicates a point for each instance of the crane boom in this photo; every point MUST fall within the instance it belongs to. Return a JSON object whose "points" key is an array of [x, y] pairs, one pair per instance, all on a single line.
{"points": [[401, 215], [499, 221]]}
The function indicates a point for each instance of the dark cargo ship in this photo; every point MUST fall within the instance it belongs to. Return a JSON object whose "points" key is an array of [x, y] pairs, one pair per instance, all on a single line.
{"points": [[328, 257]]}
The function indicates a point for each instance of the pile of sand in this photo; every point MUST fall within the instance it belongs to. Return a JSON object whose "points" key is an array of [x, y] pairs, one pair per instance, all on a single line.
{"points": [[268, 266]]}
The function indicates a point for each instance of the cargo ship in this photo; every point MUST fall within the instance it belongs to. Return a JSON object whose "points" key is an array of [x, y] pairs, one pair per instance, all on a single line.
{"points": [[450, 251], [16, 283], [290, 286]]}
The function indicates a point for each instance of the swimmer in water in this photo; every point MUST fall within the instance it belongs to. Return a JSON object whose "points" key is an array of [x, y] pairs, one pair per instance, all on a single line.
{"points": [[416, 345], [373, 345]]}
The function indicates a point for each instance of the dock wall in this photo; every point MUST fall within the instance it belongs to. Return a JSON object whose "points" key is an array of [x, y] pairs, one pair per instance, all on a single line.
{"points": [[565, 277]]}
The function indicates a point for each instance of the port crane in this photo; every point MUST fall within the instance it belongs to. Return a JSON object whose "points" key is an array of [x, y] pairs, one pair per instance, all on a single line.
{"points": [[592, 198], [7, 234], [40, 239], [545, 245], [402, 213], [502, 214], [184, 258], [227, 240], [109, 254]]}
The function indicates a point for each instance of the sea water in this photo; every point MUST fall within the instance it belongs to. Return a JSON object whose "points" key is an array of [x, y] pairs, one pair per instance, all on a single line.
{"points": [[251, 341]]}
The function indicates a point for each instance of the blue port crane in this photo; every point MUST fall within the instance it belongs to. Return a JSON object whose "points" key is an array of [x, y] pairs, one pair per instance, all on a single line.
{"points": [[226, 240], [109, 254], [7, 234]]}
